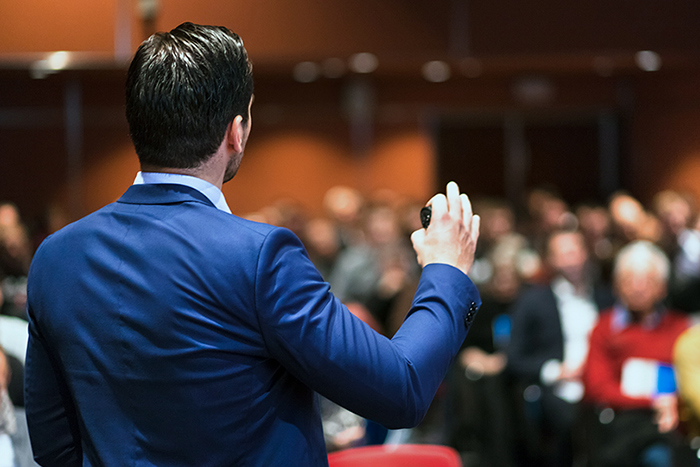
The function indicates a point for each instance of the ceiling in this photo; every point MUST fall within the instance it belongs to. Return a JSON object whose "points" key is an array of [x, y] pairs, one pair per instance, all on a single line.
{"points": [[476, 36]]}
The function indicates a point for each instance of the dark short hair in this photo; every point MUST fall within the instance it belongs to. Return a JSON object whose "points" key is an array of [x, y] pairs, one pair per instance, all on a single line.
{"points": [[183, 88]]}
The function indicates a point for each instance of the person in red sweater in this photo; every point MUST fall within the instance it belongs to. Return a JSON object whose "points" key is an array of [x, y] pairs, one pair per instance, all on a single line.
{"points": [[628, 376]]}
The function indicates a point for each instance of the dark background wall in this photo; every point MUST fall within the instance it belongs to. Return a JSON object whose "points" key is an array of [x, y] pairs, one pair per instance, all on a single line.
{"points": [[540, 93]]}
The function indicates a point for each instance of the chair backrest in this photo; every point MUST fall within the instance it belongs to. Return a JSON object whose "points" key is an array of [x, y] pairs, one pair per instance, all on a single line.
{"points": [[400, 455]]}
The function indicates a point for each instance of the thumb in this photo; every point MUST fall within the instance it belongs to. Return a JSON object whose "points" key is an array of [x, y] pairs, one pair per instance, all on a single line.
{"points": [[417, 239]]}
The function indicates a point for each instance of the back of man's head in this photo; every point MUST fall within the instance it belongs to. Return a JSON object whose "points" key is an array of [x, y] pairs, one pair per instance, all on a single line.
{"points": [[183, 89]]}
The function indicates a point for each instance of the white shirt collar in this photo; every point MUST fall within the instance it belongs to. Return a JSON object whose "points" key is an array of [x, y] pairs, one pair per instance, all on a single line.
{"points": [[207, 189], [565, 289]]}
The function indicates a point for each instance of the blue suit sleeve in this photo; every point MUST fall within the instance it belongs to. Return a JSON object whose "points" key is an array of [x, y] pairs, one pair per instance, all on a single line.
{"points": [[51, 416], [322, 344]]}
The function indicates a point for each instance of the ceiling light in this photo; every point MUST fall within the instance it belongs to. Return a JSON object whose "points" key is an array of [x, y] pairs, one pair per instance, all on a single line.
{"points": [[533, 90], [364, 62], [58, 60], [436, 71], [53, 63], [648, 60], [306, 72]]}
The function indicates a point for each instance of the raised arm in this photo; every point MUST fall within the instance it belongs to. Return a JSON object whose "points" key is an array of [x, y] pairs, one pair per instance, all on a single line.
{"points": [[319, 341]]}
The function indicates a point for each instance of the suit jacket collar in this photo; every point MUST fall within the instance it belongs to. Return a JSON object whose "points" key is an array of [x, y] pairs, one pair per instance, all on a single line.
{"points": [[163, 194]]}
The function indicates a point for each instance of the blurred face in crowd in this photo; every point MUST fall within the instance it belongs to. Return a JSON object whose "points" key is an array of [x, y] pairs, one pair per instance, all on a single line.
{"points": [[382, 226], [9, 215], [627, 214], [640, 289], [567, 256], [554, 212], [594, 221], [322, 237], [343, 204], [674, 210], [505, 282], [497, 222], [550, 211]]}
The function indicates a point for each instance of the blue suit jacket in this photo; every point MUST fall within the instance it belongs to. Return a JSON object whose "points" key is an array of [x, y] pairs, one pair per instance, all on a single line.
{"points": [[164, 332]]}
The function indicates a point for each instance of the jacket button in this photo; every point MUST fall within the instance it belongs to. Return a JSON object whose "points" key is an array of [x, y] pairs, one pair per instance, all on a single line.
{"points": [[470, 314]]}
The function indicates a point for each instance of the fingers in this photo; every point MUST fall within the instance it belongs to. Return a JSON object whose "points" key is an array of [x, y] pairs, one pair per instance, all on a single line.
{"points": [[451, 202], [452, 235], [475, 225], [417, 239], [439, 205], [418, 236], [467, 214], [454, 202], [458, 206], [466, 206]]}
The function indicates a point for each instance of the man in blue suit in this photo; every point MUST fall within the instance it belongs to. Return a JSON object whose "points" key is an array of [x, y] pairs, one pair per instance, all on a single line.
{"points": [[165, 331]]}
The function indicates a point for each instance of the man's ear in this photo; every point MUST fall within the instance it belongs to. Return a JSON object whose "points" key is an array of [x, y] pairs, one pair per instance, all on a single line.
{"points": [[235, 134]]}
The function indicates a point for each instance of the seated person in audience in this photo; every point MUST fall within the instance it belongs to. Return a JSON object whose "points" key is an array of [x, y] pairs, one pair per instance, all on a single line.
{"points": [[15, 256], [628, 375], [549, 341], [686, 360], [481, 413], [499, 237], [8, 424], [323, 244], [15, 449], [681, 242], [596, 226], [548, 213]]}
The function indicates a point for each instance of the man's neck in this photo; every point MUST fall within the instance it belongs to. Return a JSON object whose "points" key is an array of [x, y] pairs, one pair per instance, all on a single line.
{"points": [[203, 171]]}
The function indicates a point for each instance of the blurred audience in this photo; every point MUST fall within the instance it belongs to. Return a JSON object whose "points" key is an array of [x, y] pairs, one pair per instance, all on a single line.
{"points": [[345, 206], [480, 403], [547, 213], [631, 221], [513, 395], [374, 272], [498, 238], [15, 447], [549, 344], [595, 224], [8, 423], [323, 243], [15, 256], [628, 375], [681, 242]]}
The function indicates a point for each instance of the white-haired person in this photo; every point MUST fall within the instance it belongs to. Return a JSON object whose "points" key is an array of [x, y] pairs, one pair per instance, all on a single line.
{"points": [[628, 376]]}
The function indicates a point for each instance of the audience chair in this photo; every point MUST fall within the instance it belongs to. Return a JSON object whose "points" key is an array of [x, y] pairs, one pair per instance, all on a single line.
{"points": [[400, 455]]}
